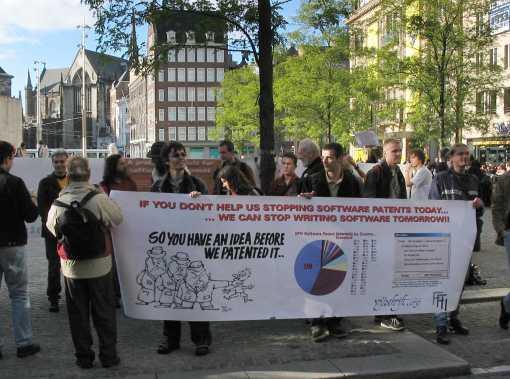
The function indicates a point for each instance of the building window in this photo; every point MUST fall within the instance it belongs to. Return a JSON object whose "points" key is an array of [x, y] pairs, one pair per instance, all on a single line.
{"points": [[171, 74], [181, 74], [486, 102], [190, 54], [192, 134], [171, 94], [493, 56], [171, 55], [210, 75], [182, 114], [161, 114], [161, 136], [200, 94], [506, 100], [161, 76], [191, 93], [211, 114], [172, 114], [200, 75], [505, 58], [170, 36], [220, 73], [191, 113], [200, 55], [201, 133], [191, 74], [172, 134], [181, 55], [211, 55], [201, 113], [182, 133], [210, 94], [181, 93], [220, 56], [190, 37], [161, 95]]}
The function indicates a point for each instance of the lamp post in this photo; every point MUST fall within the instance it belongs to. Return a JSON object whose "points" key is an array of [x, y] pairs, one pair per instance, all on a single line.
{"points": [[38, 99], [83, 28]]}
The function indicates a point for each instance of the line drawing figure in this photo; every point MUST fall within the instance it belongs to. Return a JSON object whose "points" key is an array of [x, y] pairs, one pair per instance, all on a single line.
{"points": [[238, 287], [175, 281]]}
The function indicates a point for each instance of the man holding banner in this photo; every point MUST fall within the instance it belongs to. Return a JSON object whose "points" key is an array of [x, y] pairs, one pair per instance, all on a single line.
{"points": [[455, 184], [178, 180], [334, 181]]}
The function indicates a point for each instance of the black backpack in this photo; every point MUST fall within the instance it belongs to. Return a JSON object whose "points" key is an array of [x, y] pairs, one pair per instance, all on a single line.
{"points": [[79, 231]]}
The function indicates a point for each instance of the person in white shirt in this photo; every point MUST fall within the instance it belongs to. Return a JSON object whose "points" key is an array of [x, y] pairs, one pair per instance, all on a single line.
{"points": [[417, 176]]}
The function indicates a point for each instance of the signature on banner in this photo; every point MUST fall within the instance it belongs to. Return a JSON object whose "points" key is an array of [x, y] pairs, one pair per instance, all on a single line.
{"points": [[395, 303]]}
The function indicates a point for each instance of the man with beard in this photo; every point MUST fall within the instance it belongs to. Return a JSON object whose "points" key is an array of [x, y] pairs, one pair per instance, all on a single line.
{"points": [[178, 180], [334, 181], [47, 192]]}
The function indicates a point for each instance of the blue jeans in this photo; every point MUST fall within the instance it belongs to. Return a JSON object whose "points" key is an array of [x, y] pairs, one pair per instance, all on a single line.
{"points": [[506, 299], [13, 266]]}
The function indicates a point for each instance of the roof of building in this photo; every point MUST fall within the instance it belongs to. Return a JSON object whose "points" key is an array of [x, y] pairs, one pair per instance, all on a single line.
{"points": [[107, 66], [50, 78], [3, 73]]}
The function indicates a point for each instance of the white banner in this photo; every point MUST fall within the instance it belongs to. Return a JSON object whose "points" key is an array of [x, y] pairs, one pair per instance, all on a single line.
{"points": [[244, 258]]}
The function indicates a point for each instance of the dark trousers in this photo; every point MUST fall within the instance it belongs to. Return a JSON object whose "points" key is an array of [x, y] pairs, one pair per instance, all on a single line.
{"points": [[54, 287], [200, 332], [92, 296], [116, 284]]}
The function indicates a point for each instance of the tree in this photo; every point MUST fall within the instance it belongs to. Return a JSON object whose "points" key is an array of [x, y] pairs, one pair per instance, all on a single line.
{"points": [[446, 71], [258, 21]]}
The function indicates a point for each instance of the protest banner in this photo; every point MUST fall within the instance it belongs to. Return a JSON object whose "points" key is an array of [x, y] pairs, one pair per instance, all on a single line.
{"points": [[244, 258]]}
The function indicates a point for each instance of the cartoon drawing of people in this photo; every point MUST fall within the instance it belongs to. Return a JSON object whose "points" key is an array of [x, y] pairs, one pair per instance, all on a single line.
{"points": [[176, 267], [155, 266], [198, 287], [238, 286]]}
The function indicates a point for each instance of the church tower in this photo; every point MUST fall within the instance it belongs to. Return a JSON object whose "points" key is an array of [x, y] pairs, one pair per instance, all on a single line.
{"points": [[29, 98]]}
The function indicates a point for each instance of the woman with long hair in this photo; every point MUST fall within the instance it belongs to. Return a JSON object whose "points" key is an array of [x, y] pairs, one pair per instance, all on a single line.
{"points": [[236, 183]]}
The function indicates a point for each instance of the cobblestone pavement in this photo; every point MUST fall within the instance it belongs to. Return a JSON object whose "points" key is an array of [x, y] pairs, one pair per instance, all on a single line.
{"points": [[245, 344]]}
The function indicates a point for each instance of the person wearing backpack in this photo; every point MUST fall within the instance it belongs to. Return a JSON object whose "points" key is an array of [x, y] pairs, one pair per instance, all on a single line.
{"points": [[80, 219], [178, 180], [17, 207]]}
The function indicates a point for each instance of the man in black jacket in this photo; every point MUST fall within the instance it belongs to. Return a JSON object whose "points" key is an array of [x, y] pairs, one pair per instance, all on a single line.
{"points": [[333, 181], [455, 184], [178, 180], [16, 207], [47, 192], [228, 157], [386, 181]]}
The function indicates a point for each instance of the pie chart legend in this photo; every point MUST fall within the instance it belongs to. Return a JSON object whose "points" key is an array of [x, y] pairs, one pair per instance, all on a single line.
{"points": [[321, 267]]}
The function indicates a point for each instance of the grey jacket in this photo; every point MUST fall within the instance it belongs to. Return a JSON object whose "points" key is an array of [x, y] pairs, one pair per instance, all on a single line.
{"points": [[501, 203]]}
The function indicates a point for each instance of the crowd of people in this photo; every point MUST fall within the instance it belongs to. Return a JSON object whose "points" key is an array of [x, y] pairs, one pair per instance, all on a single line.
{"points": [[68, 204]]}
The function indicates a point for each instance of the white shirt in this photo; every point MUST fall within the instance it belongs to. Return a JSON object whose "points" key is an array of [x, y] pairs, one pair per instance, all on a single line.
{"points": [[421, 181]]}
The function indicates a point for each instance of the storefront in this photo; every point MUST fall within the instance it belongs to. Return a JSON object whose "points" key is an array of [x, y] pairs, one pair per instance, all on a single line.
{"points": [[491, 149]]}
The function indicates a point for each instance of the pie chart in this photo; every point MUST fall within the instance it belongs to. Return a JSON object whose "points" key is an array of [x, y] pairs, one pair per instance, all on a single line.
{"points": [[321, 267]]}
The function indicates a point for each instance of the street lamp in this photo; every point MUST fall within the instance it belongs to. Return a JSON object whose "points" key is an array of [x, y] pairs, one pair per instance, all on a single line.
{"points": [[84, 35], [38, 98]]}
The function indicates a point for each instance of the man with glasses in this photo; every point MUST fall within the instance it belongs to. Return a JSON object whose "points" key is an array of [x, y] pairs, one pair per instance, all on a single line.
{"points": [[47, 192], [455, 184], [178, 180]]}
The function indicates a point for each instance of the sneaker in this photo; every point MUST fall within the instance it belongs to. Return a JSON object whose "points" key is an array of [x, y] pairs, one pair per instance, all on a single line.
{"points": [[319, 333], [26, 351], [393, 323], [442, 336], [201, 350], [54, 308], [457, 328], [165, 347], [111, 363], [504, 317]]}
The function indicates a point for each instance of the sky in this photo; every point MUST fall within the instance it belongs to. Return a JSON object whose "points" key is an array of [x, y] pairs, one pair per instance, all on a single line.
{"points": [[46, 30]]}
